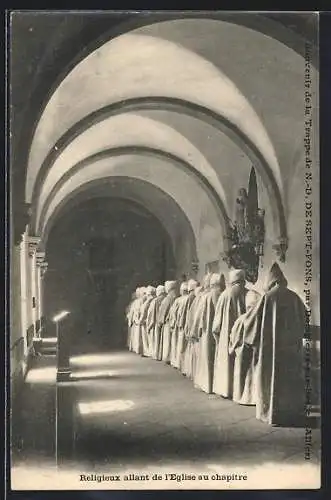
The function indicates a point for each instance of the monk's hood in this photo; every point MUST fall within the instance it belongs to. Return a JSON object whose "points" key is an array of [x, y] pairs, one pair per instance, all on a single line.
{"points": [[275, 277]]}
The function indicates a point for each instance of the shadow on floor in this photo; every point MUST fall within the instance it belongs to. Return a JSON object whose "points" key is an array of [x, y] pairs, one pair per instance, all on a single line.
{"points": [[169, 419]]}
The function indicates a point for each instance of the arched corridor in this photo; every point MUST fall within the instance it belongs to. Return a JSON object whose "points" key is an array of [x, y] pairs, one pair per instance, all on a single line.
{"points": [[148, 149]]}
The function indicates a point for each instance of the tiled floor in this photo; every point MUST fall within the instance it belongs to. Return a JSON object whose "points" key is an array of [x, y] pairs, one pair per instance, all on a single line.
{"points": [[125, 413]]}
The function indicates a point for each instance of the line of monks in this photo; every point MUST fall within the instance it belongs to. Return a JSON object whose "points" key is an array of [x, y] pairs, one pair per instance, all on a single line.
{"points": [[228, 340]]}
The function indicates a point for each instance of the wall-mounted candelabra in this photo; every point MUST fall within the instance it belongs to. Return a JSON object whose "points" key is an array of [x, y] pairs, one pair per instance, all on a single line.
{"points": [[247, 232]]}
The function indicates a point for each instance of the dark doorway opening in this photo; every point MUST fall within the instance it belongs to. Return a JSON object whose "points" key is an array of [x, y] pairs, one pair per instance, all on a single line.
{"points": [[98, 253]]}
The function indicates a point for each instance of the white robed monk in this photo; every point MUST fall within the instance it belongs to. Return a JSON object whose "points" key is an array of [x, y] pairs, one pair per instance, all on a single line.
{"points": [[174, 315], [137, 346], [171, 288], [129, 318], [276, 329], [191, 336], [152, 323], [245, 356], [150, 294], [182, 319], [230, 305], [196, 330], [206, 348]]}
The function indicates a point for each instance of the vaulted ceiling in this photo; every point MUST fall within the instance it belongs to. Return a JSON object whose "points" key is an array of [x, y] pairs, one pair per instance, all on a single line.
{"points": [[168, 100]]}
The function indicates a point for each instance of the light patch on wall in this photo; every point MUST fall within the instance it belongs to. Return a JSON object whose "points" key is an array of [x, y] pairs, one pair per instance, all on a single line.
{"points": [[211, 242]]}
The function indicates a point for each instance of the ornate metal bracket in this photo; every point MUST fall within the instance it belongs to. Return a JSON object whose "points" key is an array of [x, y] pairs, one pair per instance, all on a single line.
{"points": [[243, 256], [246, 243]]}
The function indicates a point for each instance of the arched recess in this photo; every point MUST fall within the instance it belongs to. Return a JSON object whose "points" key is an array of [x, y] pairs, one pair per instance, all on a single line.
{"points": [[191, 109], [195, 202], [144, 152], [156, 201], [98, 253]]}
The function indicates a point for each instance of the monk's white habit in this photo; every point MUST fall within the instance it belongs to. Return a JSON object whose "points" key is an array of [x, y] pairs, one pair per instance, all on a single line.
{"points": [[182, 320], [206, 347], [196, 333], [174, 316], [245, 356], [137, 345], [230, 305], [173, 328], [142, 322], [129, 317], [191, 336], [153, 327], [276, 330], [163, 318]]}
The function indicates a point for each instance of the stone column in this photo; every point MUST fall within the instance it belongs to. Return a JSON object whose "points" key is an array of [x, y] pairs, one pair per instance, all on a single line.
{"points": [[24, 288], [33, 242], [41, 269], [34, 290]]}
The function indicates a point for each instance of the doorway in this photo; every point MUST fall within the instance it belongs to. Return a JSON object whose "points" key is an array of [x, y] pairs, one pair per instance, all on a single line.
{"points": [[98, 254]]}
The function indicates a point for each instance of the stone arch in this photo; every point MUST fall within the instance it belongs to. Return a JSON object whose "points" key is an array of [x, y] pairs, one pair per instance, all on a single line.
{"points": [[174, 220], [126, 129], [143, 151], [190, 108], [158, 170]]}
